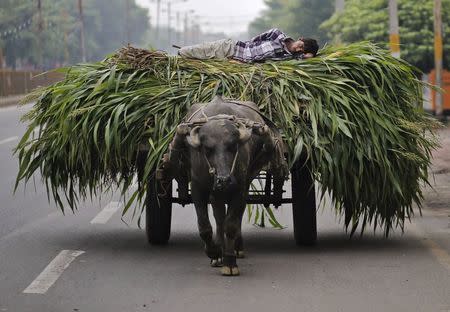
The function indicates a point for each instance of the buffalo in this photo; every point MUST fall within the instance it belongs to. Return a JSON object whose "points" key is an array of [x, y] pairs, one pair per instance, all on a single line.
{"points": [[223, 145]]}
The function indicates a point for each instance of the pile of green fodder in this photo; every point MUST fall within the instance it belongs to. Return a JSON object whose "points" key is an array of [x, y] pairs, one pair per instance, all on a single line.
{"points": [[354, 109]]}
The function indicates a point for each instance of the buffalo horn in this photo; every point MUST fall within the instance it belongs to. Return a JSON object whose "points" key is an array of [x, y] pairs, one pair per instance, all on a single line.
{"points": [[193, 138]]}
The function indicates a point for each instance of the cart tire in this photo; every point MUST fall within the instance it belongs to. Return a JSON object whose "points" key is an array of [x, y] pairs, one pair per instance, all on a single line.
{"points": [[303, 204], [158, 211]]}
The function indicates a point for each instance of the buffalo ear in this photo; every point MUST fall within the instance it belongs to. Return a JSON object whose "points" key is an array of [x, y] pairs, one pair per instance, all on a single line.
{"points": [[183, 129], [179, 139], [264, 132], [244, 133], [193, 138]]}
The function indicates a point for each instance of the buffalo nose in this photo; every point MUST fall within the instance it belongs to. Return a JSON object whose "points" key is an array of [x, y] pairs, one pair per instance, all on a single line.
{"points": [[221, 183]]}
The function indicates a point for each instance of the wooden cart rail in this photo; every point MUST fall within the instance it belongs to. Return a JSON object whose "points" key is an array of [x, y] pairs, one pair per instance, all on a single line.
{"points": [[160, 198]]}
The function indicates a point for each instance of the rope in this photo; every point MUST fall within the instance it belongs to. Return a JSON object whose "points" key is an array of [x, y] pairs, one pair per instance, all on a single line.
{"points": [[193, 114], [234, 160], [212, 171], [203, 113]]}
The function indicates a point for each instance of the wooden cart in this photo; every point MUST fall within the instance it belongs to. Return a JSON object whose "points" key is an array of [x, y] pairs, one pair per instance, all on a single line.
{"points": [[160, 199]]}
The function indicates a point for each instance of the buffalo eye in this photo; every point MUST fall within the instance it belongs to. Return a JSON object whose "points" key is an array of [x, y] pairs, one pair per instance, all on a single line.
{"points": [[231, 148]]}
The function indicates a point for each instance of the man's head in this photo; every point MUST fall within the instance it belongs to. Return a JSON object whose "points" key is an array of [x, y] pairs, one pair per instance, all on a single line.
{"points": [[307, 46]]}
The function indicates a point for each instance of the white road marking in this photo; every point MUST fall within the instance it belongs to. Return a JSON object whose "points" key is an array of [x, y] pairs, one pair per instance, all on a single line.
{"points": [[52, 272], [107, 212], [8, 140]]}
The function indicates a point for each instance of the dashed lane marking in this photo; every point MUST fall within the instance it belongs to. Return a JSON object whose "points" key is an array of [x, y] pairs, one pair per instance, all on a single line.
{"points": [[52, 272], [9, 140], [107, 212]]}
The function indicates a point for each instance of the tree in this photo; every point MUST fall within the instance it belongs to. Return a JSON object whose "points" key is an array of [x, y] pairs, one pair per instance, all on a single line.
{"points": [[15, 20], [58, 41], [106, 26], [300, 17], [368, 20]]}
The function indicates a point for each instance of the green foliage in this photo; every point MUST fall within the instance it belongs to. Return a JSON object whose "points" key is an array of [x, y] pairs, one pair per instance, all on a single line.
{"points": [[58, 42], [353, 109], [12, 14], [369, 20], [299, 18], [258, 214]]}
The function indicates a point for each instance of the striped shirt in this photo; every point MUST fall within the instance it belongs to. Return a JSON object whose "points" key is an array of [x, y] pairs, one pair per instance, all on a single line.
{"points": [[269, 45]]}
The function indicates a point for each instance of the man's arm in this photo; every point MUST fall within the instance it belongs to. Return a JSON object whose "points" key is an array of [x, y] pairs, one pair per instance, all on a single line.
{"points": [[271, 34]]}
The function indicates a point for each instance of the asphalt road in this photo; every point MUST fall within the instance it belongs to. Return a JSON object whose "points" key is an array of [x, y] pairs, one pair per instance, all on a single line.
{"points": [[116, 270]]}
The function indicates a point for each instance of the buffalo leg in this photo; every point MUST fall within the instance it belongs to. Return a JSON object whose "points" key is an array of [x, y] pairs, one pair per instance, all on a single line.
{"points": [[232, 226], [219, 216], [239, 243], [200, 200]]}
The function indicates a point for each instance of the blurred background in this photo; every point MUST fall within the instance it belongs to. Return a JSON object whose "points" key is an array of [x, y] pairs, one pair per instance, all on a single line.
{"points": [[40, 35]]}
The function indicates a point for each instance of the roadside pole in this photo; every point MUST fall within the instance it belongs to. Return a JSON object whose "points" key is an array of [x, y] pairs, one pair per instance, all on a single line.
{"points": [[158, 11], [40, 29], [185, 29], [82, 46], [340, 5], [394, 37], [127, 21], [438, 53], [169, 31], [1, 57], [178, 27], [65, 17]]}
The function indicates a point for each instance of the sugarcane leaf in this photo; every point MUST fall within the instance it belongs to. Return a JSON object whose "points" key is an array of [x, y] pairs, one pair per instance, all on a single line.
{"points": [[352, 111]]}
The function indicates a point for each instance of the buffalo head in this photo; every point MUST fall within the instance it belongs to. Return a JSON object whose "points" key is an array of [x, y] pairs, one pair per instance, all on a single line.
{"points": [[219, 144]]}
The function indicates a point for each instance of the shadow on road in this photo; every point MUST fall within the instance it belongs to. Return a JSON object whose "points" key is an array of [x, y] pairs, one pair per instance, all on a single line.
{"points": [[262, 242]]}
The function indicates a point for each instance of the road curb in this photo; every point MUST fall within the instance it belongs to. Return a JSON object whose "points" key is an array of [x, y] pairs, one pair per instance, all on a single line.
{"points": [[10, 100]]}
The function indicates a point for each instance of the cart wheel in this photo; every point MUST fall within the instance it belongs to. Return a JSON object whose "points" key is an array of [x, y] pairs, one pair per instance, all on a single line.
{"points": [[158, 212], [303, 204]]}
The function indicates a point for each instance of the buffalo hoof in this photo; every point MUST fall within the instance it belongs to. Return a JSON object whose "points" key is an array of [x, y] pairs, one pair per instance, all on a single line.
{"points": [[239, 254], [215, 263], [230, 271], [230, 267]]}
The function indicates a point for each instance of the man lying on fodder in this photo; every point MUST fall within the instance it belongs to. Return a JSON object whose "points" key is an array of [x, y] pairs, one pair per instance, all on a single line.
{"points": [[270, 45]]}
